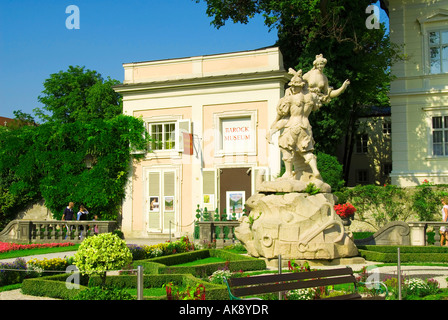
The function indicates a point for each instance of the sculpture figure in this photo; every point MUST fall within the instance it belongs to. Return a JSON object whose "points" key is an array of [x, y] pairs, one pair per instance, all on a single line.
{"points": [[305, 94], [284, 218]]}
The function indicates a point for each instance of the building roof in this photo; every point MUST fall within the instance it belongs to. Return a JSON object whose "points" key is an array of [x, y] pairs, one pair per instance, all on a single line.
{"points": [[4, 121]]}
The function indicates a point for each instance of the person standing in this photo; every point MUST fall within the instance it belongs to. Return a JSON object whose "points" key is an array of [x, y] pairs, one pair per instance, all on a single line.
{"points": [[68, 216], [444, 229], [68, 212], [82, 216]]}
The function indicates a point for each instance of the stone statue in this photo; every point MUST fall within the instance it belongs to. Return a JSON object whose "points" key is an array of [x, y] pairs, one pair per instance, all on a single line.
{"points": [[284, 219], [305, 94]]}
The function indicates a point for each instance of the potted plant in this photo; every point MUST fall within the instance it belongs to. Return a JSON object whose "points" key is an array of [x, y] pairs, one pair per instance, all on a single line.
{"points": [[346, 212]]}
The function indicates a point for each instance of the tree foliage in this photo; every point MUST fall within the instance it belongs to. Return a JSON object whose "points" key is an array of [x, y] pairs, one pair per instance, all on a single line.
{"points": [[102, 253], [337, 29], [48, 161], [78, 94]]}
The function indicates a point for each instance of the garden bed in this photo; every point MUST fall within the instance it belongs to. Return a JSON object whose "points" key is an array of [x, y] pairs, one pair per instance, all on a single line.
{"points": [[388, 254], [55, 286], [172, 263]]}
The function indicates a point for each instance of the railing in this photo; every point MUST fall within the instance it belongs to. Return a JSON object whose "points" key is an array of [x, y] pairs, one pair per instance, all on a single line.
{"points": [[207, 232], [54, 230], [419, 236]]}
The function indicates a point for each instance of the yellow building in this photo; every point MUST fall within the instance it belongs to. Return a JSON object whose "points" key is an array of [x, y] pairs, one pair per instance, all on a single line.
{"points": [[419, 94], [209, 116]]}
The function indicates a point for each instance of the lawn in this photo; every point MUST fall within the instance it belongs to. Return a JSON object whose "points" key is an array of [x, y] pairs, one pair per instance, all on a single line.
{"points": [[201, 261], [32, 252]]}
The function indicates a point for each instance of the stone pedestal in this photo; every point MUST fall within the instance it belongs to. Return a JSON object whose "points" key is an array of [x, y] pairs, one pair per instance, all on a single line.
{"points": [[296, 226]]}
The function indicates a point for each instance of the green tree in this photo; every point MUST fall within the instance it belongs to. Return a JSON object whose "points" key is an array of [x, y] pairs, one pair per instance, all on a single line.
{"points": [[78, 94], [101, 253], [337, 29], [48, 161]]}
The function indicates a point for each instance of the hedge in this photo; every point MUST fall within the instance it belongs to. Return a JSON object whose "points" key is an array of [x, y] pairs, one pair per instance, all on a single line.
{"points": [[235, 262], [212, 291], [51, 286], [388, 254]]}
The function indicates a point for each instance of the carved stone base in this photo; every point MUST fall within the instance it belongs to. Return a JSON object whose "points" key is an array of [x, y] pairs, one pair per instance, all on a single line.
{"points": [[292, 185], [296, 226]]}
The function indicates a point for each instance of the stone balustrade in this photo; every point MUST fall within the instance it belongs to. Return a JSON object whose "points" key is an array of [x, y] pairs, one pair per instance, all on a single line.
{"points": [[42, 231], [419, 236], [208, 234]]}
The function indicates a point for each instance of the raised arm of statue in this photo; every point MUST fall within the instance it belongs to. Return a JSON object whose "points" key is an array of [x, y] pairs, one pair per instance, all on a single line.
{"points": [[338, 92]]}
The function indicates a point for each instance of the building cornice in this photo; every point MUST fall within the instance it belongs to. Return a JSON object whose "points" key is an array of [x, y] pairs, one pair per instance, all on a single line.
{"points": [[281, 76]]}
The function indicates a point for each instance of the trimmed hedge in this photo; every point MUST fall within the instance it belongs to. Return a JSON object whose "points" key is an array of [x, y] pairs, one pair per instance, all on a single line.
{"points": [[50, 286], [388, 254], [212, 291], [235, 262]]}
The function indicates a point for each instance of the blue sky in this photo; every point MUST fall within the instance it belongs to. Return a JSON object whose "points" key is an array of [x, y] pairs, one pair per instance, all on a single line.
{"points": [[34, 40]]}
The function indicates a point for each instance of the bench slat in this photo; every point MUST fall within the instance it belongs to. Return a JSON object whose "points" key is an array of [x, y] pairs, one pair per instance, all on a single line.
{"points": [[278, 287], [236, 282], [351, 296]]}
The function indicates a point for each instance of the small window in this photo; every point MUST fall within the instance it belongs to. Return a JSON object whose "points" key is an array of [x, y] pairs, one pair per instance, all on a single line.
{"points": [[362, 143], [163, 135], [362, 176], [387, 169], [387, 128], [440, 136], [438, 51]]}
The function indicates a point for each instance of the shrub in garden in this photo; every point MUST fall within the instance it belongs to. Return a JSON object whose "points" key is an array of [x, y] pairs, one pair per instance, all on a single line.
{"points": [[218, 276], [40, 266], [173, 292], [419, 287], [12, 272], [101, 253], [103, 293]]}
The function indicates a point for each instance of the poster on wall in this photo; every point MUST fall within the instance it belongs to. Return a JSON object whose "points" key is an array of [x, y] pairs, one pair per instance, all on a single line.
{"points": [[235, 204], [153, 204], [208, 201], [169, 203]]}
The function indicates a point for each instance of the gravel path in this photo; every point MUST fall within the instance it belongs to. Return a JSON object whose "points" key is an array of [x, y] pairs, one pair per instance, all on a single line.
{"points": [[18, 295]]}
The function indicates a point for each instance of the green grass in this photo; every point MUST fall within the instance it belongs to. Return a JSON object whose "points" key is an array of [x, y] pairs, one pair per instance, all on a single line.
{"points": [[11, 287], [201, 261], [32, 252], [149, 292]]}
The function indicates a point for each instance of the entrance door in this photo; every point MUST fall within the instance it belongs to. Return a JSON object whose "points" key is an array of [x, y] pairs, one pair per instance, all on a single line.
{"points": [[161, 200], [235, 186]]}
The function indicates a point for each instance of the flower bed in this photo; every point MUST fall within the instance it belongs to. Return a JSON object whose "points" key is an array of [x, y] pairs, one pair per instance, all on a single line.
{"points": [[6, 246]]}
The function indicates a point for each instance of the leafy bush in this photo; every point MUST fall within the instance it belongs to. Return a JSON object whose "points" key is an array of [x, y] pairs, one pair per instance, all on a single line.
{"points": [[103, 293], [12, 272], [101, 253], [40, 266], [330, 170]]}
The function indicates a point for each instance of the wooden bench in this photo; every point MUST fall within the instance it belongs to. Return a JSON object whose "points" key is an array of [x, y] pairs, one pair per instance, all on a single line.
{"points": [[255, 285]]}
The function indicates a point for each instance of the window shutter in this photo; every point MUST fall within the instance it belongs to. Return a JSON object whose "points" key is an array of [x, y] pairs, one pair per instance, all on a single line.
{"points": [[168, 194], [209, 188], [154, 191], [183, 126]]}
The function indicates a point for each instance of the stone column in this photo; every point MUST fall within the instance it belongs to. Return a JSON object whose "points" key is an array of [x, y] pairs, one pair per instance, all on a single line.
{"points": [[417, 233]]}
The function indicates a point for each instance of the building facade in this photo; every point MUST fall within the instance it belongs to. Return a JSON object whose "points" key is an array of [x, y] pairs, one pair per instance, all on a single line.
{"points": [[419, 94], [208, 117]]}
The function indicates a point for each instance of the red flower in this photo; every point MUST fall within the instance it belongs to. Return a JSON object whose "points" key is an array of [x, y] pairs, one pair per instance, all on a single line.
{"points": [[346, 210]]}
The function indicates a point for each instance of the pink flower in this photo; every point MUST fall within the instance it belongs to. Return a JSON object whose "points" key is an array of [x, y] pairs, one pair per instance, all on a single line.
{"points": [[6, 246]]}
